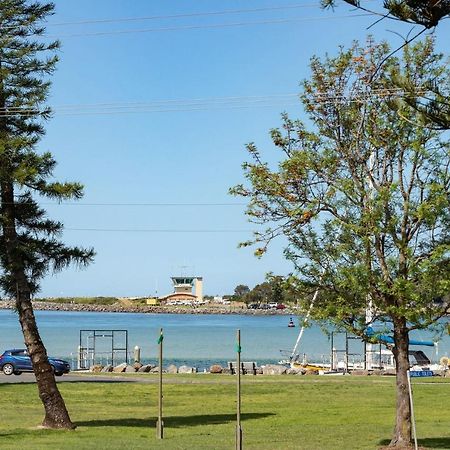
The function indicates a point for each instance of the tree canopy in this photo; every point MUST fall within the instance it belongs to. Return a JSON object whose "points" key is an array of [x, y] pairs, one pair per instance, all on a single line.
{"points": [[435, 109], [362, 194], [416, 12]]}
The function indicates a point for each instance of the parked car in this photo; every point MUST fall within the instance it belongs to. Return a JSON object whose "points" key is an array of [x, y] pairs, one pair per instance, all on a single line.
{"points": [[253, 306], [281, 306], [17, 361]]}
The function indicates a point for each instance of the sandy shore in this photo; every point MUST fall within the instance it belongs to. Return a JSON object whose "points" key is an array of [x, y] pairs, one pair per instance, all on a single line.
{"points": [[222, 309]]}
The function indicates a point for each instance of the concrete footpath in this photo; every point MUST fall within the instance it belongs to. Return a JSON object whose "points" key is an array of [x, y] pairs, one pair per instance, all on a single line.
{"points": [[74, 377], [88, 377]]}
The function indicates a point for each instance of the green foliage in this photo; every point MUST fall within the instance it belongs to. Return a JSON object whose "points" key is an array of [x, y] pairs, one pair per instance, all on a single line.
{"points": [[362, 195], [261, 293], [434, 109], [241, 290], [421, 12], [275, 289], [29, 240]]}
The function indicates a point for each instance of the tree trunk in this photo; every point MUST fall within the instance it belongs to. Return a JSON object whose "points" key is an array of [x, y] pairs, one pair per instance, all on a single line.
{"points": [[56, 415], [402, 431]]}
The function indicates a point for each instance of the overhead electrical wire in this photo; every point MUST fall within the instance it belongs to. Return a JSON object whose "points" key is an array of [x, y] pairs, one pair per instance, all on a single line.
{"points": [[130, 204], [152, 230], [171, 105], [207, 26], [156, 230], [137, 111], [159, 105], [184, 15], [89, 21], [182, 105]]}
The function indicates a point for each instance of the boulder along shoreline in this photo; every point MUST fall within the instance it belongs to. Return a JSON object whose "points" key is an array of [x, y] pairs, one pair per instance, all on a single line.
{"points": [[79, 307]]}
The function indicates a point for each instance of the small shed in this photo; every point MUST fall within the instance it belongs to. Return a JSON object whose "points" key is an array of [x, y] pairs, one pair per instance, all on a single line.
{"points": [[153, 301]]}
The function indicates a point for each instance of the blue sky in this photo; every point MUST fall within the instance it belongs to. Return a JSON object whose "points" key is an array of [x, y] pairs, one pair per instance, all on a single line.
{"points": [[191, 155]]}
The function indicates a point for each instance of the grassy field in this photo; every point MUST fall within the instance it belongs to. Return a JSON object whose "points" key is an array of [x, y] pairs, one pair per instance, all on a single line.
{"points": [[280, 412], [82, 300]]}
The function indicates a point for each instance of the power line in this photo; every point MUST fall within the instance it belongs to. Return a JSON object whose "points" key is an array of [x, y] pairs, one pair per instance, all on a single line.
{"points": [[144, 230], [151, 230], [164, 204], [207, 26], [177, 105], [183, 15], [157, 104], [207, 100], [83, 113], [137, 204], [194, 101]]}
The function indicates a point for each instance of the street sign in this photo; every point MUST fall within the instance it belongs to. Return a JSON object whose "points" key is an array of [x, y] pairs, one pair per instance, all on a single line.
{"points": [[421, 373]]}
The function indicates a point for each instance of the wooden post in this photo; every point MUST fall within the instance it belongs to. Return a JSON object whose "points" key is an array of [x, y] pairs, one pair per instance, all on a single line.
{"points": [[238, 378], [160, 423]]}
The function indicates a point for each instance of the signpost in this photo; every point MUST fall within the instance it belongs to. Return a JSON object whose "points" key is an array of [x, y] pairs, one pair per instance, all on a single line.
{"points": [[160, 423], [413, 420], [238, 373], [420, 373]]}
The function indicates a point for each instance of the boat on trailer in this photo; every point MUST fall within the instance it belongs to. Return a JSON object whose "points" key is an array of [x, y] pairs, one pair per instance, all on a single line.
{"points": [[417, 358], [382, 359]]}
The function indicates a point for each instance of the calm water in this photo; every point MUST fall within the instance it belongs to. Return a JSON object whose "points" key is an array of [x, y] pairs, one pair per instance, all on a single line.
{"points": [[194, 339]]}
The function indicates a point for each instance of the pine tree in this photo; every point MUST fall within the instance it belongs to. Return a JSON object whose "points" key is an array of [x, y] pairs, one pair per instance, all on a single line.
{"points": [[29, 245], [428, 13]]}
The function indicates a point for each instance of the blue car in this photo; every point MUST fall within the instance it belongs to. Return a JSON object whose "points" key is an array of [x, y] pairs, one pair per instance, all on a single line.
{"points": [[18, 361]]}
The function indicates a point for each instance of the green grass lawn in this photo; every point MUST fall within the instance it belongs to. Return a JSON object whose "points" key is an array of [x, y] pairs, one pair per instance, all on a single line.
{"points": [[81, 300], [279, 412]]}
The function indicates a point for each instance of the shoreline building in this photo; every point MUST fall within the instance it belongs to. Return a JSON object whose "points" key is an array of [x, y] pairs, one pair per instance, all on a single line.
{"points": [[185, 289]]}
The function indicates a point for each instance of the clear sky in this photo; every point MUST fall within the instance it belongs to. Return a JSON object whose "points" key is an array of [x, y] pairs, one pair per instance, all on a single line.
{"points": [[222, 79]]}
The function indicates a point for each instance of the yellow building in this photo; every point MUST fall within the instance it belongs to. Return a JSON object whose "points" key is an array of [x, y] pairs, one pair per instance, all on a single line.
{"points": [[153, 301]]}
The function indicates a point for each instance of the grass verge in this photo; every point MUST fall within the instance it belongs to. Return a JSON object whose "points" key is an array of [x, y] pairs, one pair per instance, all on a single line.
{"points": [[282, 412]]}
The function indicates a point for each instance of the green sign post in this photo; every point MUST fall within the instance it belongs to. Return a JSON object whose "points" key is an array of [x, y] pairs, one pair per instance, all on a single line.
{"points": [[160, 423], [238, 373]]}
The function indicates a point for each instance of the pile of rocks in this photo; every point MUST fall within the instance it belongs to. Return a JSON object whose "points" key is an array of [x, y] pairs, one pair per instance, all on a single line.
{"points": [[141, 368], [176, 309], [268, 369]]}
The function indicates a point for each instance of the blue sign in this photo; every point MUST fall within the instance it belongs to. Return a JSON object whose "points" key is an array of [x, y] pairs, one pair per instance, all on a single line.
{"points": [[421, 373]]}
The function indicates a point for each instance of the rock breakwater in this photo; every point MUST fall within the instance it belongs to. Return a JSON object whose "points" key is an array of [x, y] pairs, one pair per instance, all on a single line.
{"points": [[79, 307]]}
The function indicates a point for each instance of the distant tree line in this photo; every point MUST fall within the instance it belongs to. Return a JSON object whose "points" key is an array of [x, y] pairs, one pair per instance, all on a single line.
{"points": [[276, 289]]}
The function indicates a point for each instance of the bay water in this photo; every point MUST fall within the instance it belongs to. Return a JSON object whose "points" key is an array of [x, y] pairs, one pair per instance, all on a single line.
{"points": [[196, 340]]}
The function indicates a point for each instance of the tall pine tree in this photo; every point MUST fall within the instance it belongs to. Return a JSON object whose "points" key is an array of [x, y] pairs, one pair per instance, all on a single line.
{"points": [[29, 245]]}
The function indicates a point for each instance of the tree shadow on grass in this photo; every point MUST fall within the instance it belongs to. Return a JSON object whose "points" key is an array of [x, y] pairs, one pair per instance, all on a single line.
{"points": [[100, 380], [437, 442], [174, 421]]}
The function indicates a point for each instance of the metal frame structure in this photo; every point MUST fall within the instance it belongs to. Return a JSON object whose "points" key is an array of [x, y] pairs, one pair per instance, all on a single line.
{"points": [[368, 353], [367, 362], [87, 348]]}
